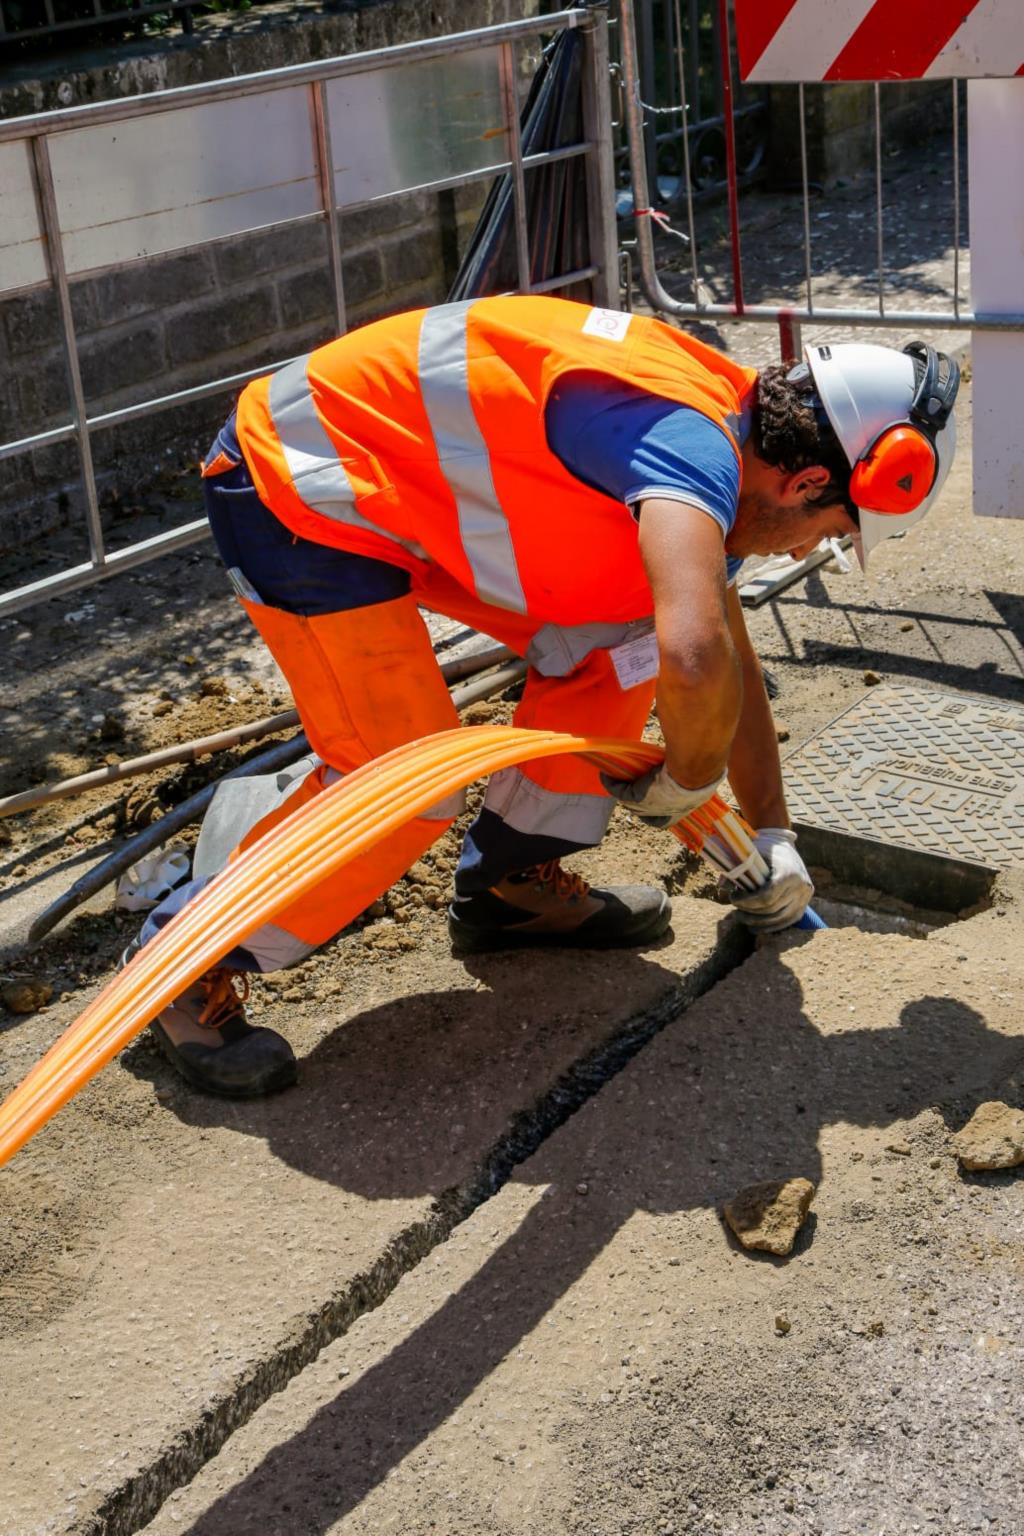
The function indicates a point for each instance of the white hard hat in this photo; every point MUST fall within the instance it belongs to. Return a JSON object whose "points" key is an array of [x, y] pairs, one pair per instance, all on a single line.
{"points": [[893, 415]]}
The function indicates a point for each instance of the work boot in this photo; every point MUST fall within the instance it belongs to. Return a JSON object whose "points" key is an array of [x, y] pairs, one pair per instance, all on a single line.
{"points": [[546, 905], [207, 1038]]}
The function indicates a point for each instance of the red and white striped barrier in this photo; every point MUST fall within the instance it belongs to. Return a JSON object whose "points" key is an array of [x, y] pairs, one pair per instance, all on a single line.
{"points": [[805, 40]]}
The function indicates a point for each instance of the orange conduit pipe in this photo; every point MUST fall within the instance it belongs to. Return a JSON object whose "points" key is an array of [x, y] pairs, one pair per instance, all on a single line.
{"points": [[327, 833]]}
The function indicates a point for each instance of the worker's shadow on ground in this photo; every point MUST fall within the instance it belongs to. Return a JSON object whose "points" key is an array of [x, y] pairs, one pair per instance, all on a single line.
{"points": [[953, 650], [737, 1089]]}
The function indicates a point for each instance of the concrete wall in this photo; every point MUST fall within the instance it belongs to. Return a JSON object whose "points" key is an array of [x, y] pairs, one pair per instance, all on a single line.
{"points": [[179, 320], [841, 125]]}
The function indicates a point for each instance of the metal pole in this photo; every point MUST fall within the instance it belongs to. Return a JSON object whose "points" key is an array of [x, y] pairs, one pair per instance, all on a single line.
{"points": [[511, 104], [648, 92], [681, 68], [637, 161], [730, 157], [878, 200], [59, 278], [328, 194], [693, 14], [597, 129], [956, 198], [806, 192], [790, 339]]}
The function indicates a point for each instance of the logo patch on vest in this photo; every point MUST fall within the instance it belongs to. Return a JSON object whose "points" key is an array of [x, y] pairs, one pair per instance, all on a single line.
{"points": [[612, 324]]}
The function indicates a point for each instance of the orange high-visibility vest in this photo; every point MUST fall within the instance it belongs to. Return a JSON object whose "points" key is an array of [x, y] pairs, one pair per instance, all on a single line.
{"points": [[420, 439]]}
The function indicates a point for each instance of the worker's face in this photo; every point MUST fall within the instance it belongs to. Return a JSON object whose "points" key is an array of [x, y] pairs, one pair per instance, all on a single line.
{"points": [[777, 515]]}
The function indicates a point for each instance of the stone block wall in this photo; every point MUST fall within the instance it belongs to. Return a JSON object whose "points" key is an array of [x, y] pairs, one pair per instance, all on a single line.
{"points": [[176, 321], [171, 322], [840, 126]]}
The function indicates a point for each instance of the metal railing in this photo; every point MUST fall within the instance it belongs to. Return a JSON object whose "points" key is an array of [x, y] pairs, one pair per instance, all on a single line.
{"points": [[82, 196], [802, 306], [682, 91]]}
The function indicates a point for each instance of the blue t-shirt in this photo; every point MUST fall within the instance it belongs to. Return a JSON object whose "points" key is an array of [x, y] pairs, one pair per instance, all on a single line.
{"points": [[632, 445]]}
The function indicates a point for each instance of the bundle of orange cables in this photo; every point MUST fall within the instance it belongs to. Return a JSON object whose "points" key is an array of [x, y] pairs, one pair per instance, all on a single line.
{"points": [[328, 832]]}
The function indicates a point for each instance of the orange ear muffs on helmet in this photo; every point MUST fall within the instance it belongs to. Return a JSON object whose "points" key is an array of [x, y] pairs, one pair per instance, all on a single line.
{"points": [[896, 473], [899, 468]]}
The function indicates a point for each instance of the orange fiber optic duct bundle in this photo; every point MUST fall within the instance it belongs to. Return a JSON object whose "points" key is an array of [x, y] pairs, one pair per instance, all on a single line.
{"points": [[327, 833]]}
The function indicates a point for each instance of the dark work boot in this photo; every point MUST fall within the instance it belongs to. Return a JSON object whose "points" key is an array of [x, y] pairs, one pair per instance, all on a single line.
{"points": [[546, 905], [207, 1038]]}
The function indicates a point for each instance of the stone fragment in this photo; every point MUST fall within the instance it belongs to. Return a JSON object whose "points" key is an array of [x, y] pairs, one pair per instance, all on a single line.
{"points": [[111, 728], [899, 1148], [782, 1324], [768, 1216], [992, 1138], [213, 688], [27, 996], [871, 678], [782, 733]]}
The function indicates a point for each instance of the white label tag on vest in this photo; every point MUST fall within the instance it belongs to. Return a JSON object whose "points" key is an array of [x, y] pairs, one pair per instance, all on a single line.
{"points": [[612, 324], [635, 661]]}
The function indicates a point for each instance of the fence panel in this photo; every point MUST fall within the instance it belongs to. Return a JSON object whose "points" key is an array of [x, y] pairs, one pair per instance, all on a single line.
{"points": [[95, 188]]}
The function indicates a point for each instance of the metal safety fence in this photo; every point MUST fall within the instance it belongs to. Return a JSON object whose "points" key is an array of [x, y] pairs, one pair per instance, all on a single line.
{"points": [[679, 60], [93, 188], [637, 34]]}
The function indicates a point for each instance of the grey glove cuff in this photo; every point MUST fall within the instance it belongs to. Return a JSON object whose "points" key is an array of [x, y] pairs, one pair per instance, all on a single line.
{"points": [[656, 797]]}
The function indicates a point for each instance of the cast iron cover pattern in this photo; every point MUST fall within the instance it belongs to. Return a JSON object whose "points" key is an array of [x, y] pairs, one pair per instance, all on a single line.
{"points": [[918, 769]]}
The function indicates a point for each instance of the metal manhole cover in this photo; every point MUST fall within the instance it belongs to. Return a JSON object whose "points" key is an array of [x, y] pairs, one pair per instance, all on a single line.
{"points": [[931, 772]]}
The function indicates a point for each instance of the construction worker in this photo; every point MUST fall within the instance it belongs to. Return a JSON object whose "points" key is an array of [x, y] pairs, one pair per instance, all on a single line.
{"points": [[582, 485]]}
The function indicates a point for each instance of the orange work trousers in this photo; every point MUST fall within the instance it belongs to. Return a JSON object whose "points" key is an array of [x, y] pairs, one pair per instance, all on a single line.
{"points": [[365, 680]]}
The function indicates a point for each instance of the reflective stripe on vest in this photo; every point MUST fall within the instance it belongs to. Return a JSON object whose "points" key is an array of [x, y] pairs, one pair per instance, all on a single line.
{"points": [[464, 459], [317, 473]]}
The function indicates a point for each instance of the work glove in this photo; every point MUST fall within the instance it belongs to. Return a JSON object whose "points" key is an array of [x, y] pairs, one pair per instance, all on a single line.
{"points": [[781, 901], [656, 797]]}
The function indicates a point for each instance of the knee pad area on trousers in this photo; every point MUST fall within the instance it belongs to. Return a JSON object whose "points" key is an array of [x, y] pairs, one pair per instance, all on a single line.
{"points": [[364, 680]]}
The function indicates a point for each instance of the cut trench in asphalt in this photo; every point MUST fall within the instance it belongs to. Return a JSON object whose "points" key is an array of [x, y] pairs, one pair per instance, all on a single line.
{"points": [[178, 1260], [175, 1266], [590, 1352], [228, 1244]]}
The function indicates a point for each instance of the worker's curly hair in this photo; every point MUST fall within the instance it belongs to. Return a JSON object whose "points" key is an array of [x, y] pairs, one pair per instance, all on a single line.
{"points": [[791, 432]]}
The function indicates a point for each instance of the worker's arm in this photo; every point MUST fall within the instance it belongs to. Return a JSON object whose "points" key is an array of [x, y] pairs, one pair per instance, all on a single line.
{"points": [[700, 684], [755, 776], [755, 772]]}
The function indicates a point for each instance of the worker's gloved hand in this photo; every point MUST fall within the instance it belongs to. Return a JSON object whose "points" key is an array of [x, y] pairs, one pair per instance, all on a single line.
{"points": [[781, 901], [656, 797]]}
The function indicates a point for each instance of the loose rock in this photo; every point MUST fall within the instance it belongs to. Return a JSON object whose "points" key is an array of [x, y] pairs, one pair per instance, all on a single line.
{"points": [[871, 678], [992, 1138], [768, 1216], [111, 728], [27, 996]]}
